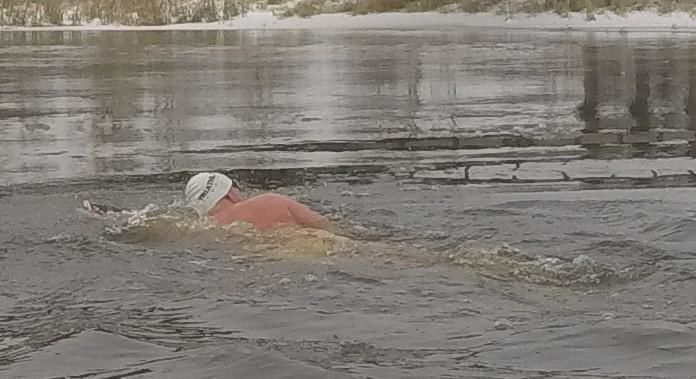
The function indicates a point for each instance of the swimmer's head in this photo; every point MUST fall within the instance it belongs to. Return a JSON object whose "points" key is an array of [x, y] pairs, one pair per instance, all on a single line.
{"points": [[203, 191]]}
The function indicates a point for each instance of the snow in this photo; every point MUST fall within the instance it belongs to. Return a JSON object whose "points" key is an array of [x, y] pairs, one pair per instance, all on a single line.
{"points": [[646, 21]]}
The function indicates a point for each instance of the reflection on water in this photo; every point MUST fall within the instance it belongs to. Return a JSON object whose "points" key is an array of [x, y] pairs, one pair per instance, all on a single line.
{"points": [[640, 96], [79, 104]]}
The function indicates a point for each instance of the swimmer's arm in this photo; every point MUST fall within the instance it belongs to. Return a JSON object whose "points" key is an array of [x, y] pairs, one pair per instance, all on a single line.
{"points": [[308, 218]]}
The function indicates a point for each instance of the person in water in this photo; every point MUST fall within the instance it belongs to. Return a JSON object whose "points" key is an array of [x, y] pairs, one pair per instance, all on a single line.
{"points": [[218, 197]]}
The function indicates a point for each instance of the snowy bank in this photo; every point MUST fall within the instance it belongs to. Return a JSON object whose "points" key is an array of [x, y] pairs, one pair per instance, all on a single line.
{"points": [[636, 21]]}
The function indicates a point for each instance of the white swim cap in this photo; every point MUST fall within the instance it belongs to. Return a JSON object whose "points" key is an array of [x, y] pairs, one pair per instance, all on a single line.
{"points": [[204, 190]]}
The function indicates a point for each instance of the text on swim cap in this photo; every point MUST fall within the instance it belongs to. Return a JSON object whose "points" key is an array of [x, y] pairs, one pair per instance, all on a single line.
{"points": [[208, 187]]}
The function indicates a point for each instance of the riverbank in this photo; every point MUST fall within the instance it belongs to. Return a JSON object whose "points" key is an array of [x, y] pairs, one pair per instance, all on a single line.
{"points": [[265, 19]]}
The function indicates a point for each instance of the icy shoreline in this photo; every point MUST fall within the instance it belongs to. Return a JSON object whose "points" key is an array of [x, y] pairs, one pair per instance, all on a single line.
{"points": [[635, 21]]}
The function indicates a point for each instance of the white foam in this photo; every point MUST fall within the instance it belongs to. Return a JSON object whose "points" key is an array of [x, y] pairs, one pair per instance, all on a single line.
{"points": [[505, 263], [264, 19]]}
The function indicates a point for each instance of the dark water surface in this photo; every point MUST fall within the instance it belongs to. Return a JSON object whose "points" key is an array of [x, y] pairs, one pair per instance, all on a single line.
{"points": [[522, 203]]}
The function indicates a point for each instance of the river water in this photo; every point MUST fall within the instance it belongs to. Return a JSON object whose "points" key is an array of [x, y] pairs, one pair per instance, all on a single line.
{"points": [[519, 204]]}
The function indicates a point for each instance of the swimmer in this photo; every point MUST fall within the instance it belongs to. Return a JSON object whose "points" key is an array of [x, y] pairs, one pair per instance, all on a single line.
{"points": [[218, 197]]}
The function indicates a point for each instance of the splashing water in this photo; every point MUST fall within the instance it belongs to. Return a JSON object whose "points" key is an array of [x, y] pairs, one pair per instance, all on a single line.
{"points": [[506, 263], [174, 224], [153, 224]]}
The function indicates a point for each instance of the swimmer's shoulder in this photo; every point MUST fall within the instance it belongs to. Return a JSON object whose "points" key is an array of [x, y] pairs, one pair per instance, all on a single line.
{"points": [[271, 196], [271, 199]]}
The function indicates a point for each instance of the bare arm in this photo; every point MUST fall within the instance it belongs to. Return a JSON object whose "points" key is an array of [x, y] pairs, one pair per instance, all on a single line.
{"points": [[308, 218]]}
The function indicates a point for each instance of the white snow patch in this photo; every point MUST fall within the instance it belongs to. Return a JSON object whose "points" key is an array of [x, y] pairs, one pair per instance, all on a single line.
{"points": [[263, 19]]}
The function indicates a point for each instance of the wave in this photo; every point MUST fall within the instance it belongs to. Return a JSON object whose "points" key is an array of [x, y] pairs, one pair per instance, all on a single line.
{"points": [[165, 225], [155, 225], [507, 264]]}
